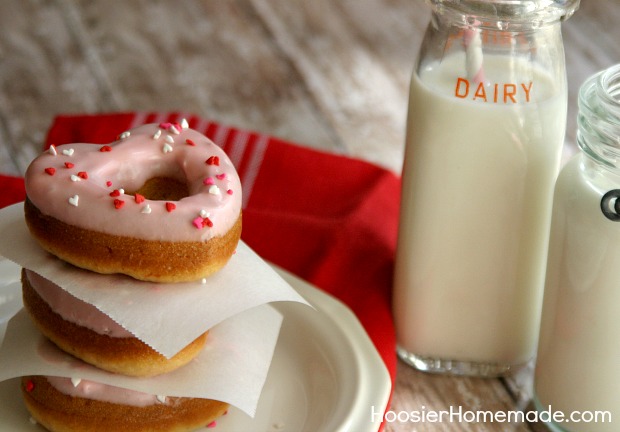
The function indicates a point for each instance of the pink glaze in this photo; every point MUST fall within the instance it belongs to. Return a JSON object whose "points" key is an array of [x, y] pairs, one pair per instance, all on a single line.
{"points": [[104, 393], [74, 310], [81, 185]]}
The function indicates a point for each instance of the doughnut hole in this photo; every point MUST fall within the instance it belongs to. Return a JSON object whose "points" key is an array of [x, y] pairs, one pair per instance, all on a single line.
{"points": [[163, 189]]}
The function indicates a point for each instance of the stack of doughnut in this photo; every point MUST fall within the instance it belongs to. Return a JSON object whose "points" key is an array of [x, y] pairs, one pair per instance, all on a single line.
{"points": [[161, 204]]}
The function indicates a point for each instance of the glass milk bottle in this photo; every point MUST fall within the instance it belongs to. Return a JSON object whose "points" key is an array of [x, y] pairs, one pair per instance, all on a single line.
{"points": [[579, 351], [485, 130]]}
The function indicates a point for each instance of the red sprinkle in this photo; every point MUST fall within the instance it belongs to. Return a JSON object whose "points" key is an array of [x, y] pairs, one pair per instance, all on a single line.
{"points": [[50, 170], [115, 193], [170, 206], [29, 386], [190, 142], [108, 183], [118, 203], [212, 424], [139, 198], [213, 160], [69, 165], [229, 191], [105, 148], [83, 175], [207, 222]]}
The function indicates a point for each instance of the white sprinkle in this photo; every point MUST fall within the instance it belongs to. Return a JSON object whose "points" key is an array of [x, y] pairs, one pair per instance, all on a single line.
{"points": [[74, 200], [184, 124], [121, 191], [169, 139], [204, 213], [161, 398], [52, 150], [167, 148], [146, 209], [157, 134], [75, 178], [214, 190], [173, 129], [125, 134], [204, 280], [76, 381], [68, 152]]}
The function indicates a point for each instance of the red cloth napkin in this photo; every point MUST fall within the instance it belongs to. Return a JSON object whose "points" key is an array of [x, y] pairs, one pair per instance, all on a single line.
{"points": [[329, 219]]}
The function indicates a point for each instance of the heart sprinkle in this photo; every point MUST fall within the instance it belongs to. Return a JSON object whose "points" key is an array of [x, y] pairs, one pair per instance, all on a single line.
{"points": [[201, 222], [146, 209], [108, 183], [204, 213], [157, 134], [170, 206], [208, 181], [76, 381], [229, 191], [105, 148], [68, 152], [190, 142], [83, 175], [169, 139], [197, 223], [29, 386], [51, 171], [139, 198], [69, 165], [74, 200], [161, 398], [220, 176], [125, 134], [184, 124], [167, 148], [52, 150], [118, 203], [214, 190], [75, 178], [213, 160]]}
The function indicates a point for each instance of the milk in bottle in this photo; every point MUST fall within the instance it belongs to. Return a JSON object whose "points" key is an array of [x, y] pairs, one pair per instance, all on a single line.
{"points": [[485, 132], [578, 355]]}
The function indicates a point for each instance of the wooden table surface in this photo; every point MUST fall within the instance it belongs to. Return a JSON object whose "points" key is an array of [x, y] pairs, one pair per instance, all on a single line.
{"points": [[329, 74]]}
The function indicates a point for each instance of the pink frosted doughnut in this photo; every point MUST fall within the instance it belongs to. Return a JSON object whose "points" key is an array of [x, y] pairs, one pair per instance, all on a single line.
{"points": [[162, 203], [62, 404]]}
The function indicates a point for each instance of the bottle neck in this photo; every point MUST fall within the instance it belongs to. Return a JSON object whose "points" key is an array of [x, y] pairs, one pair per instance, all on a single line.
{"points": [[598, 121]]}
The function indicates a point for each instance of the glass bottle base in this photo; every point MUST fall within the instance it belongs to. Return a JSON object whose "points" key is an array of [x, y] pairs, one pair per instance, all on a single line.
{"points": [[551, 426], [454, 367]]}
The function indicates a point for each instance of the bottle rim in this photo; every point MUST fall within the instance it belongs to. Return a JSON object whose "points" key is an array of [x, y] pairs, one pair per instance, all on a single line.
{"points": [[506, 14], [598, 133]]}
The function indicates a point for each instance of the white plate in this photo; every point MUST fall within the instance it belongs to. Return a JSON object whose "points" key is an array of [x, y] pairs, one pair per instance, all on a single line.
{"points": [[326, 374]]}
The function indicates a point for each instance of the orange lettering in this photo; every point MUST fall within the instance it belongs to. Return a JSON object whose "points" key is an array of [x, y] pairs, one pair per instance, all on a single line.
{"points": [[527, 91], [460, 81], [510, 90], [481, 92]]}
